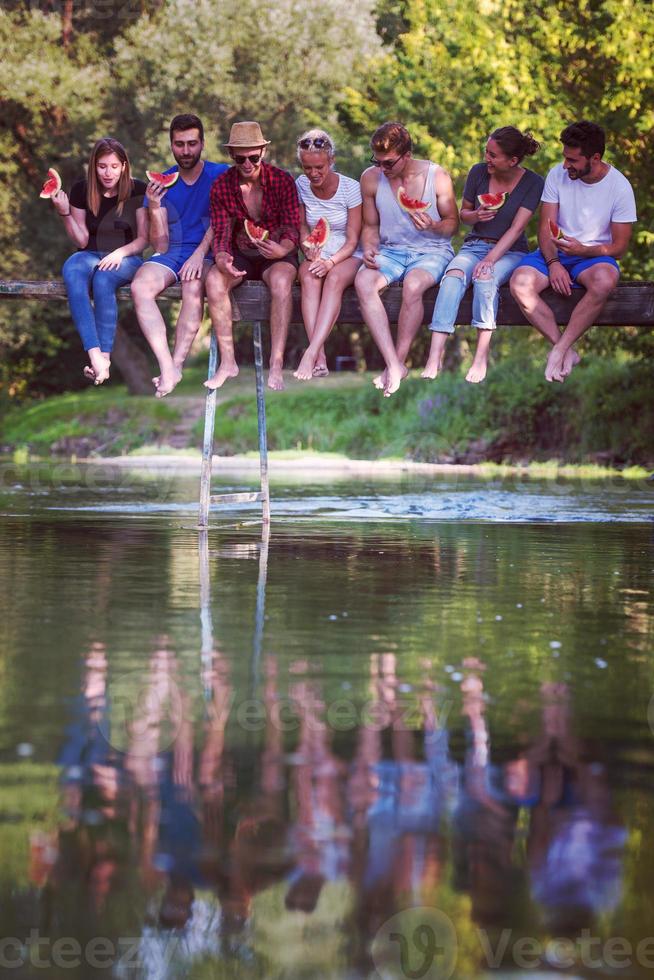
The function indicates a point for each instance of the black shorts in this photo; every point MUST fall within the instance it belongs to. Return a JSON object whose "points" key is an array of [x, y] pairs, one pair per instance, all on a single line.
{"points": [[255, 265]]}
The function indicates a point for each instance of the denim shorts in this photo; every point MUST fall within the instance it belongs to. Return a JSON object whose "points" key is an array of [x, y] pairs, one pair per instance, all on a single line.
{"points": [[395, 263], [574, 265], [175, 260]]}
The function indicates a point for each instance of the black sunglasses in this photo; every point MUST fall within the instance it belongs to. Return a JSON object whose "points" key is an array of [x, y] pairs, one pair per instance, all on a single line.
{"points": [[385, 164], [240, 160], [318, 142]]}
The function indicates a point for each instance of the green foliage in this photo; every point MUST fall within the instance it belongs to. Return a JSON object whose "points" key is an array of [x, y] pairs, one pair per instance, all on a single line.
{"points": [[104, 421], [460, 69]]}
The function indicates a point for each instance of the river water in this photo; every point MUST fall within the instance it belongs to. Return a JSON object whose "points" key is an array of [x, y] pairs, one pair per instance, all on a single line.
{"points": [[409, 734]]}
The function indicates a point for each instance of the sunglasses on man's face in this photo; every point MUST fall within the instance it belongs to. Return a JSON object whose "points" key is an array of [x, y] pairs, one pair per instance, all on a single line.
{"points": [[318, 143], [240, 160], [385, 164]]}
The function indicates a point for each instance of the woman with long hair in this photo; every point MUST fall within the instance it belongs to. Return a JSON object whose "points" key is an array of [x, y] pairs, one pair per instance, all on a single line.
{"points": [[328, 270], [104, 216], [493, 248]]}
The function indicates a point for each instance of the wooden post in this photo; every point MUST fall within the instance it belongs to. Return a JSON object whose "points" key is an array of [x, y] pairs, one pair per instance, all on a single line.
{"points": [[207, 446], [261, 422]]}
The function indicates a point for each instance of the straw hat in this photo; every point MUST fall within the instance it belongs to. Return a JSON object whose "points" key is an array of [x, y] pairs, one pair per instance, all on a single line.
{"points": [[246, 134]]}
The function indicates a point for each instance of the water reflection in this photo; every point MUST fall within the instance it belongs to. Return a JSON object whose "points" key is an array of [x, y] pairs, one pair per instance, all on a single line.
{"points": [[258, 790]]}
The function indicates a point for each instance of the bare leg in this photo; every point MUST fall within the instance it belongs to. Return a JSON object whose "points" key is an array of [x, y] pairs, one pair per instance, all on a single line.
{"points": [[368, 284], [98, 370], [479, 365], [526, 286], [412, 311], [434, 363], [335, 283], [311, 292], [599, 281], [218, 285], [149, 281], [279, 278], [190, 317]]}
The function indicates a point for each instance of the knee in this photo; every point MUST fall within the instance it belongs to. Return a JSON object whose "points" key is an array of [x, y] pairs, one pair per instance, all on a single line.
{"points": [[215, 285], [412, 290], [601, 283], [365, 284], [141, 289], [521, 284], [72, 269], [280, 287]]}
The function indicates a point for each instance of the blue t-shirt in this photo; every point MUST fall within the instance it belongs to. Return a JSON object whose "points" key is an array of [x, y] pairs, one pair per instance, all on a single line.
{"points": [[188, 208]]}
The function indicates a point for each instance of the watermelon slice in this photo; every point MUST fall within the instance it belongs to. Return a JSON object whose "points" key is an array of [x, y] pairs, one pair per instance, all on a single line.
{"points": [[52, 184], [255, 232], [555, 231], [319, 235], [492, 202], [410, 203], [164, 180]]}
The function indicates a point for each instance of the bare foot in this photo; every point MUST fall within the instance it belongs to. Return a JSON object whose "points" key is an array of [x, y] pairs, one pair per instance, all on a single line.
{"points": [[477, 371], [394, 377], [276, 379], [320, 371], [167, 382], [554, 366], [223, 374], [381, 380], [305, 368], [570, 360], [98, 371], [434, 364]]}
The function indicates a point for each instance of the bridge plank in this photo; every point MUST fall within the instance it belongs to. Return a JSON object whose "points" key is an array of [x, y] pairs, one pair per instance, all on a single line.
{"points": [[630, 304]]}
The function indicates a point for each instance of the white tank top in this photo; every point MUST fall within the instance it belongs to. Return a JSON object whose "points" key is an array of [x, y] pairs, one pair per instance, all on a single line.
{"points": [[397, 230]]}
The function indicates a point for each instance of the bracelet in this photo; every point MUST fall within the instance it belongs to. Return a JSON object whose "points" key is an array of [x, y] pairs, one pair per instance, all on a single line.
{"points": [[549, 262], [66, 215], [330, 259]]}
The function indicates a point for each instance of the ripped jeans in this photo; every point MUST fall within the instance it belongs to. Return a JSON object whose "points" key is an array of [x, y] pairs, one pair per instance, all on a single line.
{"points": [[484, 291]]}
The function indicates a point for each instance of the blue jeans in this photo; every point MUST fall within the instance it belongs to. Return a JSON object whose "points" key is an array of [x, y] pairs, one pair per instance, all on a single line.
{"points": [[96, 322], [484, 291]]}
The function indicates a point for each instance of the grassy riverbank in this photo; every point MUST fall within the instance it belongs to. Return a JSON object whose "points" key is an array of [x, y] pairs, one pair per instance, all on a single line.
{"points": [[603, 414]]}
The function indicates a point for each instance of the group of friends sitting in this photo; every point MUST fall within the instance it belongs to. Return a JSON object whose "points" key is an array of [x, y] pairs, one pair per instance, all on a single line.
{"points": [[197, 229]]}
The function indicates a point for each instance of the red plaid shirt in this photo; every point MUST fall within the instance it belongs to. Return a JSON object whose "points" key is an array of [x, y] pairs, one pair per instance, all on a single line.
{"points": [[280, 209]]}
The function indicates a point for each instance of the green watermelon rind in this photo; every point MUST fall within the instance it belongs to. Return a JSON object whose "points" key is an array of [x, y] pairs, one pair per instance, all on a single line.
{"points": [[46, 191], [247, 225], [410, 204], [319, 234], [165, 180], [492, 207]]}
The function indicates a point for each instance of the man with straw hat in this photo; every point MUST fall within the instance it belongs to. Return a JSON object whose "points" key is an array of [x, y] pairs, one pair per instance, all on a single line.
{"points": [[256, 191]]}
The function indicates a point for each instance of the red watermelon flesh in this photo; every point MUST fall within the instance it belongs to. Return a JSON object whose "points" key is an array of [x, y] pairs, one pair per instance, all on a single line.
{"points": [[319, 235], [52, 184], [255, 232], [555, 231], [165, 180], [492, 202], [410, 203]]}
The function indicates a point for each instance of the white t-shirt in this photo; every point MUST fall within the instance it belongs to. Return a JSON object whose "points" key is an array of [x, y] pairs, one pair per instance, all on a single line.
{"points": [[346, 196], [587, 210]]}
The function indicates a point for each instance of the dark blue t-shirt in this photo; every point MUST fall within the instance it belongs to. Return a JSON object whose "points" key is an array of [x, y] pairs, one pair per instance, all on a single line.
{"points": [[526, 194], [188, 208]]}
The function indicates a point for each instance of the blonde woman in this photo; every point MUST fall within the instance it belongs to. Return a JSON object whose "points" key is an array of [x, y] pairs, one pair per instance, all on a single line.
{"points": [[326, 272], [104, 216]]}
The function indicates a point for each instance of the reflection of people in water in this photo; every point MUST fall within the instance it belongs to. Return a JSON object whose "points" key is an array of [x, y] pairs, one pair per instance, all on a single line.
{"points": [[320, 836], [576, 843], [398, 802]]}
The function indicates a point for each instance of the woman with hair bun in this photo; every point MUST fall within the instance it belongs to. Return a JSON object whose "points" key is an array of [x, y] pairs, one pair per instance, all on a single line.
{"points": [[105, 218], [494, 247]]}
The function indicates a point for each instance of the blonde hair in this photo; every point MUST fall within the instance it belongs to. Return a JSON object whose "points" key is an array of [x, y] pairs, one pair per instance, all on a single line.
{"points": [[313, 134], [103, 148]]}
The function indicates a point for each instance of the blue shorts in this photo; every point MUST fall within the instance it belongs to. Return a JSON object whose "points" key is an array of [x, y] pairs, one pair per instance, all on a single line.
{"points": [[175, 260], [573, 264], [395, 263]]}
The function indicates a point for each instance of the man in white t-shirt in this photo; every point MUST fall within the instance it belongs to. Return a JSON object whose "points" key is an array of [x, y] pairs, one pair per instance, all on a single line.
{"points": [[594, 207]]}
